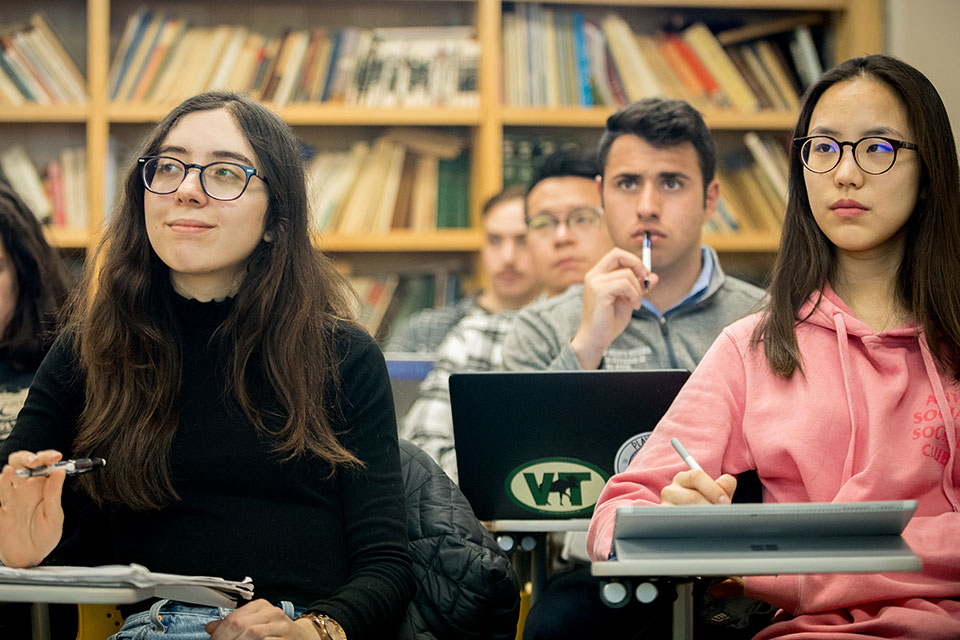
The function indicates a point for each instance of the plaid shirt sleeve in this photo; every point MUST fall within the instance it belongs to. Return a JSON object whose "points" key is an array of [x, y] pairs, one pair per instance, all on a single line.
{"points": [[426, 330], [475, 344]]}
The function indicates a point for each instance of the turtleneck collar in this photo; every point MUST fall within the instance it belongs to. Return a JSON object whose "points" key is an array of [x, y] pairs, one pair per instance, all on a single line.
{"points": [[192, 312]]}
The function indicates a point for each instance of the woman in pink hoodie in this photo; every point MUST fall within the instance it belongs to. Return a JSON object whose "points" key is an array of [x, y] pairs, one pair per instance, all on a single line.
{"points": [[845, 387]]}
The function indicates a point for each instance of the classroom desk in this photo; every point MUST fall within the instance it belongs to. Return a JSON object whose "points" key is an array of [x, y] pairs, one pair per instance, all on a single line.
{"points": [[531, 536], [611, 570], [42, 595]]}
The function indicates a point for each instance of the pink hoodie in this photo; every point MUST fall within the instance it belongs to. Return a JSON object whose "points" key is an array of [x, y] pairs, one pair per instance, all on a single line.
{"points": [[871, 419]]}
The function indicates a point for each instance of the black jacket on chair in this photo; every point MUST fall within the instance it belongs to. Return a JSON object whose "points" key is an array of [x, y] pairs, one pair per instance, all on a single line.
{"points": [[466, 586]]}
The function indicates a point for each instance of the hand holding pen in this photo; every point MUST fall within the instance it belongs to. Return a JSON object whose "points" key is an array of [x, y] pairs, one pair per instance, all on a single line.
{"points": [[71, 467], [31, 518], [696, 486]]}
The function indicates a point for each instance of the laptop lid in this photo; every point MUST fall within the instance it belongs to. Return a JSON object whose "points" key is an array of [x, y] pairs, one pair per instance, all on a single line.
{"points": [[540, 445], [762, 539]]}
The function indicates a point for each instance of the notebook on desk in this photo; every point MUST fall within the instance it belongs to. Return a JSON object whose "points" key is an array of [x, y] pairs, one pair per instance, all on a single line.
{"points": [[540, 445], [761, 539]]}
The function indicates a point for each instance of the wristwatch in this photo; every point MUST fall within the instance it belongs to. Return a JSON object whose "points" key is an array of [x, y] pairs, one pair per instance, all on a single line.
{"points": [[327, 628]]}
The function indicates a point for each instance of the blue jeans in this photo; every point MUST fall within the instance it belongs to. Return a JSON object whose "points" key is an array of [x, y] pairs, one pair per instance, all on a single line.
{"points": [[171, 620]]}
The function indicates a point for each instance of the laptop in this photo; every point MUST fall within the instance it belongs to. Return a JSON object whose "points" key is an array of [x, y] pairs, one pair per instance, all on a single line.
{"points": [[540, 445], [761, 539]]}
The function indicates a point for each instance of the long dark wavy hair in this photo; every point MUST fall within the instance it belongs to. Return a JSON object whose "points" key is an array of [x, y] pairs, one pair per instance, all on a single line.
{"points": [[43, 284], [927, 279], [282, 320]]}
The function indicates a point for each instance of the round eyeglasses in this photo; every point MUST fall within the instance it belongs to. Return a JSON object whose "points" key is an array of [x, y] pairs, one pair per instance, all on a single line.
{"points": [[219, 180], [579, 221], [874, 154]]}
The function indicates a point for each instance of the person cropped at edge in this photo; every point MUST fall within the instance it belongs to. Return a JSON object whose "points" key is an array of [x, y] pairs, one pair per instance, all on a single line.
{"points": [[657, 161], [844, 387], [561, 225], [247, 424], [33, 286]]}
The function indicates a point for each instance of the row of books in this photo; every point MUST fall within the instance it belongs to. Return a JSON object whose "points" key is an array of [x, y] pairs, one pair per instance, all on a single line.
{"points": [[522, 153], [59, 197], [35, 68], [753, 187], [408, 178], [162, 58], [557, 57], [386, 300], [752, 175]]}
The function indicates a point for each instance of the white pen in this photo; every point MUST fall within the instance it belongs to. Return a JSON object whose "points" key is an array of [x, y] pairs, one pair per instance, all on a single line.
{"points": [[693, 464], [72, 467], [645, 256]]}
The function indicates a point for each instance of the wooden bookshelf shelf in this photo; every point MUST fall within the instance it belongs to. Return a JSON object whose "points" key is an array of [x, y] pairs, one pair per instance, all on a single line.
{"points": [[45, 113], [467, 240], [765, 120], [744, 242], [69, 238]]}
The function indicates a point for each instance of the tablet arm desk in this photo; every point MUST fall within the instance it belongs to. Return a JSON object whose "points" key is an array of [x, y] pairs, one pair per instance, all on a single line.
{"points": [[657, 545]]}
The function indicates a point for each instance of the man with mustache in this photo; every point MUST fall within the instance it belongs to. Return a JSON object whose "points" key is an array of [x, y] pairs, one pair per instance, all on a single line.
{"points": [[565, 235]]}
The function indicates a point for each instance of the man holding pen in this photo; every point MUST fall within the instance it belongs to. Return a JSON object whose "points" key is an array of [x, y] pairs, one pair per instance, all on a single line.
{"points": [[657, 300], [657, 160]]}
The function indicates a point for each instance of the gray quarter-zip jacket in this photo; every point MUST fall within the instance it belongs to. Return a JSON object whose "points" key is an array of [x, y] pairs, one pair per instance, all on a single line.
{"points": [[541, 335]]}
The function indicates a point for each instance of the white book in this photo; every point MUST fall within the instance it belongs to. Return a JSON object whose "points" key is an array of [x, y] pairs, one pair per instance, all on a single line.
{"points": [[9, 90], [229, 59], [25, 180], [297, 42], [639, 78]]}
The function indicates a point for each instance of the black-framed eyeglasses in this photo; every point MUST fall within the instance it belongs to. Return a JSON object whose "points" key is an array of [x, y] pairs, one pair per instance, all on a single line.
{"points": [[873, 154], [219, 180], [579, 220]]}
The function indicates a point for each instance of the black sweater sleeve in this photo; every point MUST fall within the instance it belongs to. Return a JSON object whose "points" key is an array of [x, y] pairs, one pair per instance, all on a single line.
{"points": [[381, 580], [339, 545]]}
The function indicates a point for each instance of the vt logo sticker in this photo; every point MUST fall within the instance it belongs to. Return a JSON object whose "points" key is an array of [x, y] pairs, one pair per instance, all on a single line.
{"points": [[557, 486]]}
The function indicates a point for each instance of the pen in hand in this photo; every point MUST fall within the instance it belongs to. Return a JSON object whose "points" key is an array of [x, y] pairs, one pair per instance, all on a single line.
{"points": [[693, 464], [645, 257], [72, 467]]}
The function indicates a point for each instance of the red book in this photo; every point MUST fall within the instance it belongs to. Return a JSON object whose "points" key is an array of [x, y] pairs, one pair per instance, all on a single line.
{"points": [[55, 191], [614, 77], [706, 78]]}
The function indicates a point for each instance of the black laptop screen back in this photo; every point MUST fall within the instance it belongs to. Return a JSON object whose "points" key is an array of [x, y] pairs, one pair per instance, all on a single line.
{"points": [[541, 445]]}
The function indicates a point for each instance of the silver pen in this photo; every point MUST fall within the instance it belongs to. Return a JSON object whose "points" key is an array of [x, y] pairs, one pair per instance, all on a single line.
{"points": [[72, 467], [645, 257], [693, 464]]}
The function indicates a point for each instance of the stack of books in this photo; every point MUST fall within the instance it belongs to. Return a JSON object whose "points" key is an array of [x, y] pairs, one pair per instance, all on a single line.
{"points": [[408, 178], [35, 67], [162, 58], [556, 57]]}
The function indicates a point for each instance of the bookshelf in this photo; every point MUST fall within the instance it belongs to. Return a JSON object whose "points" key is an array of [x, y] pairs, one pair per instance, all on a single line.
{"points": [[91, 32]]}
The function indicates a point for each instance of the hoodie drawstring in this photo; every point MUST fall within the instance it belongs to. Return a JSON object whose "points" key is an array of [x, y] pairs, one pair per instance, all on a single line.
{"points": [[844, 349], [948, 422]]}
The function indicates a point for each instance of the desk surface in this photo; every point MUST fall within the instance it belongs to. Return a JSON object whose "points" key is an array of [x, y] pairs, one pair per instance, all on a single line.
{"points": [[72, 594], [537, 526]]}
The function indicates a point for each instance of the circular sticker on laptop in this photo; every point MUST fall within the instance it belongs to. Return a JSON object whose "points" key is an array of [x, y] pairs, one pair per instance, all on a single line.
{"points": [[629, 449], [556, 486]]}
